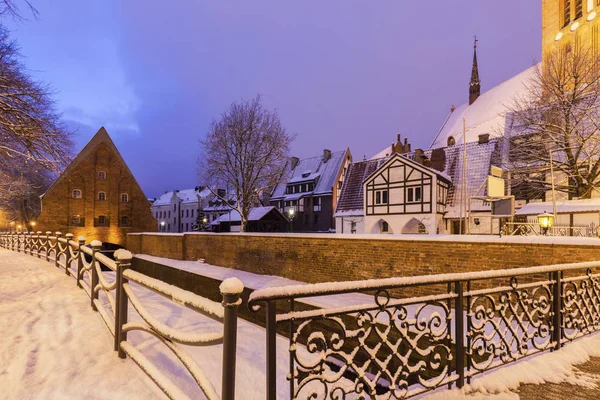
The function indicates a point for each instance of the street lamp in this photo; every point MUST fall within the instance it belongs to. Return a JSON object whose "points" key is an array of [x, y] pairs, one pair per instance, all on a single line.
{"points": [[291, 213], [162, 226], [32, 226], [19, 228], [545, 221]]}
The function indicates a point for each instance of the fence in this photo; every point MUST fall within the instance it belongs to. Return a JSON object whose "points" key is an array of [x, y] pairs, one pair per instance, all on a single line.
{"points": [[395, 348], [533, 229], [97, 274]]}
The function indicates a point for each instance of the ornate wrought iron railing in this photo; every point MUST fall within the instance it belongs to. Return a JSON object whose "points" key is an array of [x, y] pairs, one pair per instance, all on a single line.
{"points": [[532, 229], [104, 278], [454, 327]]}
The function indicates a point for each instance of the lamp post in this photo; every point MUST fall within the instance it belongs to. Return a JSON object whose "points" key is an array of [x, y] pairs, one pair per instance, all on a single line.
{"points": [[204, 222], [545, 221], [162, 226], [291, 213]]}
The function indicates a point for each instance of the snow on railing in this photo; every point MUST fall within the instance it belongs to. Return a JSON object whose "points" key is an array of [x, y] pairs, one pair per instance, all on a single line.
{"points": [[97, 273], [372, 339], [533, 229]]}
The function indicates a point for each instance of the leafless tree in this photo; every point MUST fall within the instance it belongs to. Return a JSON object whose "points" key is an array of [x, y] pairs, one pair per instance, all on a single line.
{"points": [[246, 151], [10, 8], [558, 118]]}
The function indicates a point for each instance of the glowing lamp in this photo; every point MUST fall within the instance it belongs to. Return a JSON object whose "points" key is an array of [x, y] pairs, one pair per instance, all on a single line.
{"points": [[545, 221], [291, 212], [559, 36], [204, 220], [574, 26], [591, 16]]}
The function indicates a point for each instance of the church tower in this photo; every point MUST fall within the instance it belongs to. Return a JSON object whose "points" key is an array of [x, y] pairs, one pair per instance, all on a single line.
{"points": [[563, 21], [475, 84]]}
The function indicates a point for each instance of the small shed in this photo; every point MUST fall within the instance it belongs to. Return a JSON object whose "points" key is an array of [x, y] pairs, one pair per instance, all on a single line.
{"points": [[260, 219]]}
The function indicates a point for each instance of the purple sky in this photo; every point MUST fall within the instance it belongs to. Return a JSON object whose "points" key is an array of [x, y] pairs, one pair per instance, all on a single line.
{"points": [[341, 73]]}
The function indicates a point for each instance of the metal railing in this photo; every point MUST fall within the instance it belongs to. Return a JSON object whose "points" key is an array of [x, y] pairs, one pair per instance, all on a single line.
{"points": [[99, 275], [533, 229], [455, 327]]}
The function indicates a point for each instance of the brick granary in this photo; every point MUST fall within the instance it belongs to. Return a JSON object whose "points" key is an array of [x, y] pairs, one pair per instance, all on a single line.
{"points": [[97, 196]]}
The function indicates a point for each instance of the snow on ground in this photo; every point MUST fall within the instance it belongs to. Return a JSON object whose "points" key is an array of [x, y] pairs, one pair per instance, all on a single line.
{"points": [[53, 345]]}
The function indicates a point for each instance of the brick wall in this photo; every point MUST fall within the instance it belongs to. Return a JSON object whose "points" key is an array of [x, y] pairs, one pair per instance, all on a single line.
{"points": [[320, 258]]}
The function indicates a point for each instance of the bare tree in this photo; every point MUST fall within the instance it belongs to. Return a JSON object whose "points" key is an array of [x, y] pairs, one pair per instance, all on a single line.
{"points": [[10, 8], [558, 118], [246, 151], [30, 126]]}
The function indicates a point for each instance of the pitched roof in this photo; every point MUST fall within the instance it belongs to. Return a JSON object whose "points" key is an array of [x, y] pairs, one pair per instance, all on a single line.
{"points": [[185, 195], [313, 169], [562, 207], [256, 214], [99, 137], [487, 114], [351, 195]]}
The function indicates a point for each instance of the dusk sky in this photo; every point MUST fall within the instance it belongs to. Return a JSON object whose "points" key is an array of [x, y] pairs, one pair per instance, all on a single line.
{"points": [[340, 73]]}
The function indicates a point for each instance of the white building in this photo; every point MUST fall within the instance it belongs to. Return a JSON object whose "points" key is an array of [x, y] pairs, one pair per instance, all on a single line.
{"points": [[177, 210]]}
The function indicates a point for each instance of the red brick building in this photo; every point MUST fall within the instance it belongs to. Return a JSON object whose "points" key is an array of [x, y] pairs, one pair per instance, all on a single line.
{"points": [[97, 196]]}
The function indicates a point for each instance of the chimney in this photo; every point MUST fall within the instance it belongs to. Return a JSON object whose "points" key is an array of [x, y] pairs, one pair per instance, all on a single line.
{"points": [[419, 156], [484, 138], [326, 155], [221, 193], [295, 161], [400, 148]]}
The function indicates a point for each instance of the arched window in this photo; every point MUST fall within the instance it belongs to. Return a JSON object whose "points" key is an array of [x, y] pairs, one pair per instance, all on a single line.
{"points": [[124, 221], [451, 141], [578, 9], [101, 175], [76, 194], [124, 198], [101, 196]]}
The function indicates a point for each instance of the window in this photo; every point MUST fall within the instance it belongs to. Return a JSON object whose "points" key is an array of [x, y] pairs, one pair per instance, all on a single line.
{"points": [[169, 213], [317, 204], [187, 213], [566, 12], [102, 220], [451, 141], [413, 195], [385, 227], [174, 207], [352, 227], [76, 194], [101, 196], [124, 220], [124, 198], [578, 9], [76, 220], [381, 197], [192, 213], [187, 226], [101, 175]]}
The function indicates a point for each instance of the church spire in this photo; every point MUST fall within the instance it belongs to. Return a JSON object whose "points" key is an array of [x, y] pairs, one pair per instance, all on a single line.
{"points": [[475, 84]]}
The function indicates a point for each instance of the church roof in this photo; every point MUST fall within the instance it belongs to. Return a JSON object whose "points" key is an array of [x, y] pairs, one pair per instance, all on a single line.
{"points": [[487, 114]]}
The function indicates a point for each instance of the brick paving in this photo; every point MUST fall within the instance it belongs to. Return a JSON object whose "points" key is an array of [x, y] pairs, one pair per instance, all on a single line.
{"points": [[588, 372]]}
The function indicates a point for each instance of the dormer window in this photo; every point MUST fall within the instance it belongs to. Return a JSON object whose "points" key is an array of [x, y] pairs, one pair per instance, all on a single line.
{"points": [[76, 194], [101, 175], [451, 141], [306, 174]]}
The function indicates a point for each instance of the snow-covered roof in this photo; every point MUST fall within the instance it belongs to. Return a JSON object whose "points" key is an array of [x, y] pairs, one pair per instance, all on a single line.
{"points": [[314, 169], [562, 207], [185, 195], [351, 195], [487, 114], [255, 214]]}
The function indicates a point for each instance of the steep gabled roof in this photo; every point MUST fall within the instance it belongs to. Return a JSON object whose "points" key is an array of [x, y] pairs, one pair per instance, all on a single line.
{"points": [[351, 196], [311, 169], [101, 137], [185, 195]]}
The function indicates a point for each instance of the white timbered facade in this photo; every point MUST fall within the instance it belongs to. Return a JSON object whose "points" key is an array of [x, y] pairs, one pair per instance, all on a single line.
{"points": [[403, 196]]}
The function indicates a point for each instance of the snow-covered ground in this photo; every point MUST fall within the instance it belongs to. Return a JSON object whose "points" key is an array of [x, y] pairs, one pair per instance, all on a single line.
{"points": [[55, 347]]}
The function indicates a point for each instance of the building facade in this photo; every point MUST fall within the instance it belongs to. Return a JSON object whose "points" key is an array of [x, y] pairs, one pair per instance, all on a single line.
{"points": [[97, 196], [180, 210], [309, 197]]}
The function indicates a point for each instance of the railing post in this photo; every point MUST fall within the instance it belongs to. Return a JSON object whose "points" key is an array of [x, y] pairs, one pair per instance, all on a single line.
{"points": [[57, 249], [271, 350], [123, 261], [69, 237], [96, 246], [557, 309], [18, 242], [460, 334], [47, 248], [39, 246], [81, 241], [231, 290]]}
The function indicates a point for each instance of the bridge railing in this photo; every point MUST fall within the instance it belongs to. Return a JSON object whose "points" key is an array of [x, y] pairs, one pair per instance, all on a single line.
{"points": [[401, 337], [108, 284]]}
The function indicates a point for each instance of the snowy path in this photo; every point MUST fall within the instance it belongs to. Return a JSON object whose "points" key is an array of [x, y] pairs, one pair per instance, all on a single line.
{"points": [[53, 345]]}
